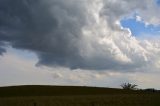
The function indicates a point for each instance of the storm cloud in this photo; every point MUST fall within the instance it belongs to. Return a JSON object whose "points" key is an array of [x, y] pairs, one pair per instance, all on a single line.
{"points": [[76, 34]]}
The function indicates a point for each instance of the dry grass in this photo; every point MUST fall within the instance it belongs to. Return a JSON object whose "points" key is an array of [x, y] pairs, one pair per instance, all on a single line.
{"points": [[90, 100], [114, 98]]}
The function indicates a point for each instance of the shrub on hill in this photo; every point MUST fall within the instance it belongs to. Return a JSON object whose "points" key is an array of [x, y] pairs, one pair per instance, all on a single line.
{"points": [[129, 86]]}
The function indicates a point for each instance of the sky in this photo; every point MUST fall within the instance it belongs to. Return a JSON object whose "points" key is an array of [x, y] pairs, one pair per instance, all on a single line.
{"points": [[80, 42]]}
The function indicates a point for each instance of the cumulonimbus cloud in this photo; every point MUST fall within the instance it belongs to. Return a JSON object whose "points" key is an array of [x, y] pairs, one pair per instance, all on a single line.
{"points": [[79, 33]]}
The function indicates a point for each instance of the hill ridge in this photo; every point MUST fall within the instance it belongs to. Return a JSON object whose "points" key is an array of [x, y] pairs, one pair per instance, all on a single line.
{"points": [[50, 90]]}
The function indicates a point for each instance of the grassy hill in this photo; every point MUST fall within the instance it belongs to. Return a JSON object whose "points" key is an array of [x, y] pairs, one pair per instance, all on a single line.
{"points": [[36, 90], [75, 96]]}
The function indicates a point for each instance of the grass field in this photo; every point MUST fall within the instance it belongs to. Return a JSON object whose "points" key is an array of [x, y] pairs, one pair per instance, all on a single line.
{"points": [[75, 96]]}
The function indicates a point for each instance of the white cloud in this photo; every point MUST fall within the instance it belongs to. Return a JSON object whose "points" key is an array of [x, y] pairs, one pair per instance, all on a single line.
{"points": [[138, 18], [109, 42]]}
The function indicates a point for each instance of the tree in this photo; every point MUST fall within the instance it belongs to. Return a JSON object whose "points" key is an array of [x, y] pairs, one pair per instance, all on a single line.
{"points": [[129, 86]]}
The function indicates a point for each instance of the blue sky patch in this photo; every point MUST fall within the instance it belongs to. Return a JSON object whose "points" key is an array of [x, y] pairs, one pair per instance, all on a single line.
{"points": [[138, 27], [158, 2]]}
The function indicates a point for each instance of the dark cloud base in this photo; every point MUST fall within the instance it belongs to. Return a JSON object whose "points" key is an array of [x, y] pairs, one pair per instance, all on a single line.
{"points": [[53, 30], [52, 34]]}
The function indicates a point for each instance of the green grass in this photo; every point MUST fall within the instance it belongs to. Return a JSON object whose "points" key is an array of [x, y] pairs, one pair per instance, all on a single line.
{"points": [[75, 96]]}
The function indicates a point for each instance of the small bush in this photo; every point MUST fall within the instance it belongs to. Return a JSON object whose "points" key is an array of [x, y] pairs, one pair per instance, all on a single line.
{"points": [[129, 86]]}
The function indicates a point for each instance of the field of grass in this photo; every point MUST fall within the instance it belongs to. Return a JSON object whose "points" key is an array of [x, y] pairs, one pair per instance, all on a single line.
{"points": [[75, 96]]}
